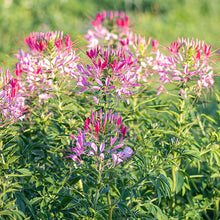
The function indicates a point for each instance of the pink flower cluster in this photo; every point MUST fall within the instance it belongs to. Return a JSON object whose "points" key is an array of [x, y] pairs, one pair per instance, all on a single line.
{"points": [[110, 72], [49, 61], [48, 42], [101, 138], [187, 63], [12, 102], [109, 27], [113, 29]]}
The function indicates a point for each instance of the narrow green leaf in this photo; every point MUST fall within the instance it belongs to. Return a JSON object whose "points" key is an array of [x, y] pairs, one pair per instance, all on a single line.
{"points": [[179, 181]]}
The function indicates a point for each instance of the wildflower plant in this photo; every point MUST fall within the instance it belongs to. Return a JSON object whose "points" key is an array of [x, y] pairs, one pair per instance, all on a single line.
{"points": [[92, 138], [99, 148], [41, 73], [103, 138], [48, 58]]}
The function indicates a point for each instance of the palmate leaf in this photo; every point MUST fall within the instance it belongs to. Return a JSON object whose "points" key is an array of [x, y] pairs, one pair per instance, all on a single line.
{"points": [[126, 211], [162, 187], [192, 154], [27, 203], [12, 214], [6, 213], [74, 180], [155, 211]]}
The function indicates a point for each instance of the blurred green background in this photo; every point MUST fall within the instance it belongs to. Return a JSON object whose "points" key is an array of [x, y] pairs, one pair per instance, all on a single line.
{"points": [[164, 20]]}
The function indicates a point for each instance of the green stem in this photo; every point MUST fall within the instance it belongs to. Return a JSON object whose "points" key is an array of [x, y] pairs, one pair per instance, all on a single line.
{"points": [[182, 106], [174, 174], [98, 186], [110, 209], [96, 197]]}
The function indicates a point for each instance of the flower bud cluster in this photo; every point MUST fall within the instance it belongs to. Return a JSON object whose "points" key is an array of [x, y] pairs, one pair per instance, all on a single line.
{"points": [[108, 28], [49, 60], [110, 72], [188, 66], [12, 103], [103, 138]]}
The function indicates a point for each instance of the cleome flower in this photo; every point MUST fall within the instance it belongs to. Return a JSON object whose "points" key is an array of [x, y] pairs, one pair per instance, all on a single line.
{"points": [[39, 72], [108, 28], [49, 42], [110, 72], [103, 138], [49, 58], [12, 102], [187, 66]]}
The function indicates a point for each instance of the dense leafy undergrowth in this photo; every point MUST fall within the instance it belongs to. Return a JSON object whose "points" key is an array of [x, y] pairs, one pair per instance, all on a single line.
{"points": [[116, 130]]}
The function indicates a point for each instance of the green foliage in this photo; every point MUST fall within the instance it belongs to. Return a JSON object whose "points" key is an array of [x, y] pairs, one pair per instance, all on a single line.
{"points": [[175, 170]]}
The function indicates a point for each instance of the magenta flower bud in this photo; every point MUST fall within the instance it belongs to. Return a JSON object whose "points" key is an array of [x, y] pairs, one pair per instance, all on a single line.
{"points": [[102, 156], [155, 44], [97, 127], [127, 20], [123, 130], [59, 44], [102, 147], [96, 87], [110, 16], [100, 114], [111, 87], [75, 158], [112, 118], [99, 82], [105, 121], [92, 116], [18, 70], [182, 92], [112, 140], [104, 14], [94, 147], [122, 14], [115, 159], [15, 87], [117, 146], [87, 122], [107, 81], [119, 121], [68, 42], [96, 100], [207, 50], [73, 137]]}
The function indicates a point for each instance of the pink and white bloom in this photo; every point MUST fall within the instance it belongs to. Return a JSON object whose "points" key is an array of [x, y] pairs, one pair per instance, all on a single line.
{"points": [[188, 66], [108, 28], [111, 72], [103, 138]]}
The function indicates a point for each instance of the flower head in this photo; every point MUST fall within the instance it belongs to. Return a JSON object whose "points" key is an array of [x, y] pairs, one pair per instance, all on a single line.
{"points": [[188, 66], [12, 102], [111, 71], [103, 138], [108, 27]]}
